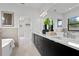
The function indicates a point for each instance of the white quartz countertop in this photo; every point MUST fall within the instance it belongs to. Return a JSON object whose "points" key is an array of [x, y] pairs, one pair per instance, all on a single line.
{"points": [[73, 43]]}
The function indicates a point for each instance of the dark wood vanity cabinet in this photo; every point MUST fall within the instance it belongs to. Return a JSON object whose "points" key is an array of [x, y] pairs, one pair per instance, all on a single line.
{"points": [[47, 47]]}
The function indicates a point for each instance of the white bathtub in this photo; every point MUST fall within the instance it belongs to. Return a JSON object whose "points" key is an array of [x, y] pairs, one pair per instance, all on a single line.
{"points": [[7, 46]]}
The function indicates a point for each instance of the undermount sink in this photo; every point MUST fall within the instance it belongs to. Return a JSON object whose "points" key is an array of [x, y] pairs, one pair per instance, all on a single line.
{"points": [[58, 37]]}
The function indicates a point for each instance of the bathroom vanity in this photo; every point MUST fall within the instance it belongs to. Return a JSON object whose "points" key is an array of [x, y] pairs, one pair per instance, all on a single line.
{"points": [[54, 45]]}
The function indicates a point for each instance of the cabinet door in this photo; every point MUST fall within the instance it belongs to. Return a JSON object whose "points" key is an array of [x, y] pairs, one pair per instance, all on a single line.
{"points": [[49, 47], [35, 40], [39, 43], [41, 46]]}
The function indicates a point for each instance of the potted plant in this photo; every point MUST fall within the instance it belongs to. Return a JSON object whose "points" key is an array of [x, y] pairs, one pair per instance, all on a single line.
{"points": [[46, 25]]}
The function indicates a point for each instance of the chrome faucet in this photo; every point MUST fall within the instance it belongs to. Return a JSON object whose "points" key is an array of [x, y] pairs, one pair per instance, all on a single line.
{"points": [[68, 34]]}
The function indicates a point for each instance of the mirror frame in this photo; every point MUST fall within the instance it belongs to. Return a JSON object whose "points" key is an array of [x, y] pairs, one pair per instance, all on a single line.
{"points": [[9, 12]]}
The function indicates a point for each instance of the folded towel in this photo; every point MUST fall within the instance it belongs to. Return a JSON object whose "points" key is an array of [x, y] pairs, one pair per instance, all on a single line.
{"points": [[7, 41]]}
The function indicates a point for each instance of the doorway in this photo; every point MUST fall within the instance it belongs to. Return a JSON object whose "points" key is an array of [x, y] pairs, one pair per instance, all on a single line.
{"points": [[25, 32]]}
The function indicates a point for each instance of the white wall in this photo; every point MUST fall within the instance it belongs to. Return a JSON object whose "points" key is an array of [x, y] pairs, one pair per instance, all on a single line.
{"points": [[26, 13], [10, 33], [53, 15], [21, 12], [74, 12], [8, 7]]}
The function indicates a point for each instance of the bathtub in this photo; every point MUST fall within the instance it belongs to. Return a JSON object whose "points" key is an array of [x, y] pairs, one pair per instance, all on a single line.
{"points": [[7, 46]]}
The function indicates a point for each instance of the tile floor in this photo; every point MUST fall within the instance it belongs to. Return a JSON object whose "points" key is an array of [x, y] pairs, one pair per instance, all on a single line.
{"points": [[25, 49]]}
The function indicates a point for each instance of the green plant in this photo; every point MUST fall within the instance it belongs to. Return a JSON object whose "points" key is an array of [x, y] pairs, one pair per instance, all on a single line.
{"points": [[47, 21]]}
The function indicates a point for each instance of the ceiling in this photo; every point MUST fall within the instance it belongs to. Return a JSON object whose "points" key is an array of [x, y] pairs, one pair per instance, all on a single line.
{"points": [[64, 7], [56, 7]]}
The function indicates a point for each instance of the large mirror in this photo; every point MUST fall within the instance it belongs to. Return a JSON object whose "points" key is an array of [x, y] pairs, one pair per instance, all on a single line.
{"points": [[7, 18], [73, 23]]}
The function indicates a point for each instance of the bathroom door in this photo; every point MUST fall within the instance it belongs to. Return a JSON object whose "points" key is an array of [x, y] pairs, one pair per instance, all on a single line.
{"points": [[24, 31]]}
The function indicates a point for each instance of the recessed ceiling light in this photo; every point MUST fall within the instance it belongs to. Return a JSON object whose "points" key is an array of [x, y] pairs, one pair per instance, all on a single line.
{"points": [[70, 8]]}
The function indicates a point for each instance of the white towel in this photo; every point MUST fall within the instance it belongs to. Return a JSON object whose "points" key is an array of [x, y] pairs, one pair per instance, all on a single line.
{"points": [[12, 43], [7, 41]]}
